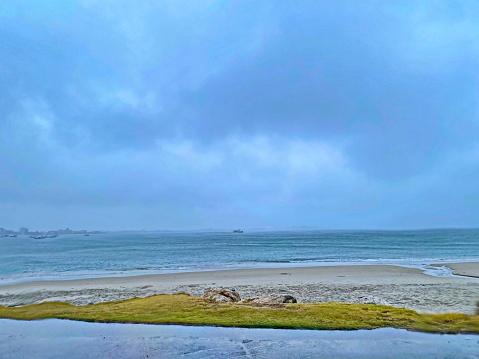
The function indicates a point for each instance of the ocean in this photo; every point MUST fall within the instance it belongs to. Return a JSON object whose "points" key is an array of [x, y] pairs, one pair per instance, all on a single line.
{"points": [[25, 259]]}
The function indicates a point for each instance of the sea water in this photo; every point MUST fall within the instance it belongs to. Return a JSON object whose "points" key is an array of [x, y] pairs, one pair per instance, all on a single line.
{"points": [[121, 254]]}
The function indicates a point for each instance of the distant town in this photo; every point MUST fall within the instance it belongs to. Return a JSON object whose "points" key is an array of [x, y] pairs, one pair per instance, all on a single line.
{"points": [[43, 234]]}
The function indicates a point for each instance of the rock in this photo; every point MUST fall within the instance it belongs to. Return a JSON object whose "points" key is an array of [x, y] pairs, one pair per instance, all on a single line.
{"points": [[222, 295], [272, 299]]}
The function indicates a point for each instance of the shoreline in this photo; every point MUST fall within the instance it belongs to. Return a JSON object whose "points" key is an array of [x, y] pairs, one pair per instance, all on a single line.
{"points": [[381, 284], [430, 268], [466, 269]]}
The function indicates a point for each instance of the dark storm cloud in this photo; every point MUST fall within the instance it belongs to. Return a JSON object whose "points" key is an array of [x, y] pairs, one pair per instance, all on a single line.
{"points": [[195, 114]]}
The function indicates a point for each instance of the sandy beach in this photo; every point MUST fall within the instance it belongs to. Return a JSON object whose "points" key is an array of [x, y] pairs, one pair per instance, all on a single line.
{"points": [[465, 269], [380, 284]]}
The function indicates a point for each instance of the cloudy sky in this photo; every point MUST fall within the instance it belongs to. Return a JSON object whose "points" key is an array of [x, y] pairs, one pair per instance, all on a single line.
{"points": [[197, 114]]}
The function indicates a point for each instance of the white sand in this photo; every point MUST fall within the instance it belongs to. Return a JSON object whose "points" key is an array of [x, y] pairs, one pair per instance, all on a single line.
{"points": [[398, 286]]}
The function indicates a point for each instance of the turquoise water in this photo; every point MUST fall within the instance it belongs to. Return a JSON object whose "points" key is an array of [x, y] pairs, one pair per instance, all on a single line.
{"points": [[117, 254]]}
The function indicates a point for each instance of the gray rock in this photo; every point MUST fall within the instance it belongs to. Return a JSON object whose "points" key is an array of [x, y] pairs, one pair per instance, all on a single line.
{"points": [[222, 295], [272, 299]]}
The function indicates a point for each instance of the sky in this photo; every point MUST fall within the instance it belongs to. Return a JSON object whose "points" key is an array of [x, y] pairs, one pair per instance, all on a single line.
{"points": [[239, 114]]}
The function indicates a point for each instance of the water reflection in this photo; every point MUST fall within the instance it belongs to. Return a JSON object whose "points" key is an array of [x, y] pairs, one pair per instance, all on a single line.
{"points": [[55, 338]]}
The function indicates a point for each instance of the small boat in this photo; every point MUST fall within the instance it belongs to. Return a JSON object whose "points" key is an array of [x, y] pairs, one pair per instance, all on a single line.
{"points": [[237, 231]]}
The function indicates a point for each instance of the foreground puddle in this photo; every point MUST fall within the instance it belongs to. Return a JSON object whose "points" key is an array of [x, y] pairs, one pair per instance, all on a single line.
{"points": [[55, 338]]}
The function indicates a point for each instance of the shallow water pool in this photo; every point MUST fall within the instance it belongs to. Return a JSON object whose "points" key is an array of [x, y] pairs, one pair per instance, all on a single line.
{"points": [[55, 338]]}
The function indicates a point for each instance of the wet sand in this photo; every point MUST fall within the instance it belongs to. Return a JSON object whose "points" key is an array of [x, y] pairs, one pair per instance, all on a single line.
{"points": [[465, 269], [380, 284]]}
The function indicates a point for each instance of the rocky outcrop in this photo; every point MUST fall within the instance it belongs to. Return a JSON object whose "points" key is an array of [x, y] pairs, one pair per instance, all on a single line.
{"points": [[271, 299], [222, 295]]}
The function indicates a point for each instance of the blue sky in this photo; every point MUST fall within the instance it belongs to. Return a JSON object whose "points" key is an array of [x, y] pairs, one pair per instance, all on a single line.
{"points": [[223, 114]]}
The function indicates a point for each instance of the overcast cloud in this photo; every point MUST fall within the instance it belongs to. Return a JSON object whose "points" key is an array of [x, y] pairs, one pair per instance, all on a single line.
{"points": [[199, 114]]}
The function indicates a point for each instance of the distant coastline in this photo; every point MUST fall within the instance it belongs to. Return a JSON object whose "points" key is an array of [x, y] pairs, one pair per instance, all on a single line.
{"points": [[56, 232]]}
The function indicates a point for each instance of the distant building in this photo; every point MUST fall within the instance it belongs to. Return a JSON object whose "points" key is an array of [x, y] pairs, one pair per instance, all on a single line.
{"points": [[23, 230], [5, 232]]}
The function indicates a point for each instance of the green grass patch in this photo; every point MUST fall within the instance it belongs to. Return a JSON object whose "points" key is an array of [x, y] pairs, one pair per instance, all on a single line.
{"points": [[187, 310]]}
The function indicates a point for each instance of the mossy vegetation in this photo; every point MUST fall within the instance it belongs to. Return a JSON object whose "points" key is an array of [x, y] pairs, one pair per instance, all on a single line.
{"points": [[187, 310]]}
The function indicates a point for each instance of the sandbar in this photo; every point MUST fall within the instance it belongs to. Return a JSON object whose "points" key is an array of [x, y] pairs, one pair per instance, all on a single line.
{"points": [[465, 269]]}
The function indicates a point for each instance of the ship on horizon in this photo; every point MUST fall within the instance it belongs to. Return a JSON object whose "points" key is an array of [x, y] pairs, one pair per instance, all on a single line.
{"points": [[237, 231]]}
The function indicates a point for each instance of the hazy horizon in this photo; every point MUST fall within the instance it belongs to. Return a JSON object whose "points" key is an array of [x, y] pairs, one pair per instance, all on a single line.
{"points": [[214, 114], [252, 229]]}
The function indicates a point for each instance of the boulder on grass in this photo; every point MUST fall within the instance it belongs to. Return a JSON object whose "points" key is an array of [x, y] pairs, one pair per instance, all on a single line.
{"points": [[222, 295], [272, 299]]}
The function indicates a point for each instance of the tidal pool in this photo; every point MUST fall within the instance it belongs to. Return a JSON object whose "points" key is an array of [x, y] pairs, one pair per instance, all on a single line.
{"points": [[55, 338]]}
